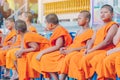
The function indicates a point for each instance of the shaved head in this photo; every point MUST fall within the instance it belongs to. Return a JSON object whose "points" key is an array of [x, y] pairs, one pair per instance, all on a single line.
{"points": [[86, 14]]}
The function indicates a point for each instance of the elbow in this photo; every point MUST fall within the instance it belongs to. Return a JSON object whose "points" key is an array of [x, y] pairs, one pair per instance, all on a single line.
{"points": [[107, 42], [115, 43], [34, 49], [58, 47]]}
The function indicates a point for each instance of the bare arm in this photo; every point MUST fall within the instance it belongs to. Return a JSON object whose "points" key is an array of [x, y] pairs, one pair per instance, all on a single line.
{"points": [[33, 47], [113, 50], [13, 39], [65, 51], [116, 39], [91, 42], [108, 39], [59, 43], [78, 49]]}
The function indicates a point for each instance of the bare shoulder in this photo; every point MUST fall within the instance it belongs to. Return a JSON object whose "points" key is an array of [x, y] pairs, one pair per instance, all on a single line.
{"points": [[114, 27]]}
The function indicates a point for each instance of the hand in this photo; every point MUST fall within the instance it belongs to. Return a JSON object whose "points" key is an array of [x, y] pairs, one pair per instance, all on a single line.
{"points": [[88, 51], [68, 51], [62, 50], [38, 57], [110, 52], [19, 53], [85, 52]]}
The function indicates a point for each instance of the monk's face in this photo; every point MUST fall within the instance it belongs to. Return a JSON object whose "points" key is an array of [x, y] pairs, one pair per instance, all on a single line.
{"points": [[81, 19], [9, 25], [106, 15], [49, 26]]}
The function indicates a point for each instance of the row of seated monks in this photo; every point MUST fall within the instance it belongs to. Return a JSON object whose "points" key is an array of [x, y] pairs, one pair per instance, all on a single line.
{"points": [[29, 54]]}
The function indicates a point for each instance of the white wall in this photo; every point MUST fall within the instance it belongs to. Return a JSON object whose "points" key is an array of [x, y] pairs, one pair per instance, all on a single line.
{"points": [[70, 16]]}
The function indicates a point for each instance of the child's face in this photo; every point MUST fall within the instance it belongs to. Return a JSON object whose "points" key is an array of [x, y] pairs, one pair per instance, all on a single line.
{"points": [[9, 25], [106, 15], [49, 26], [81, 19]]}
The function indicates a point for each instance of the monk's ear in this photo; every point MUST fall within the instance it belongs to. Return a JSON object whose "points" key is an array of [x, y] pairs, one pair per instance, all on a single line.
{"points": [[18, 31], [87, 20], [112, 14]]}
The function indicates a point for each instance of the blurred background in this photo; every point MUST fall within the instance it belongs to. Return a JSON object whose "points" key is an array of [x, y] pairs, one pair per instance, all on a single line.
{"points": [[67, 11]]}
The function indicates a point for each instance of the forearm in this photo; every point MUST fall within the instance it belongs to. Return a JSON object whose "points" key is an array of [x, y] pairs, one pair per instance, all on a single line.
{"points": [[101, 45], [28, 50], [49, 50], [78, 49], [89, 45], [116, 49], [16, 46], [1, 45]]}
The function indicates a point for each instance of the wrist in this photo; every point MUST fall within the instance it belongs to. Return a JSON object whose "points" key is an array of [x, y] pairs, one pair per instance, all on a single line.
{"points": [[41, 53]]}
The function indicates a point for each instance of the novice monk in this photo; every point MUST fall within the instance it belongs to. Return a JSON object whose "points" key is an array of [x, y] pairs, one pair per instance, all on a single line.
{"points": [[10, 58], [101, 40], [27, 17], [51, 57], [31, 43], [107, 63], [117, 64], [82, 38], [7, 42]]}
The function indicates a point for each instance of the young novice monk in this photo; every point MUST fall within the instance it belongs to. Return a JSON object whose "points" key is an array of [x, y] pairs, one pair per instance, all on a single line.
{"points": [[108, 61], [10, 57], [50, 57], [101, 40], [31, 43], [8, 41], [82, 38], [27, 17]]}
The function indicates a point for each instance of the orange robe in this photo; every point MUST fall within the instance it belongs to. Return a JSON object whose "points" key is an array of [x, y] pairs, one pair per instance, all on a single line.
{"points": [[32, 29], [6, 43], [106, 65], [24, 68], [79, 41], [85, 69], [10, 57], [117, 64], [52, 59]]}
